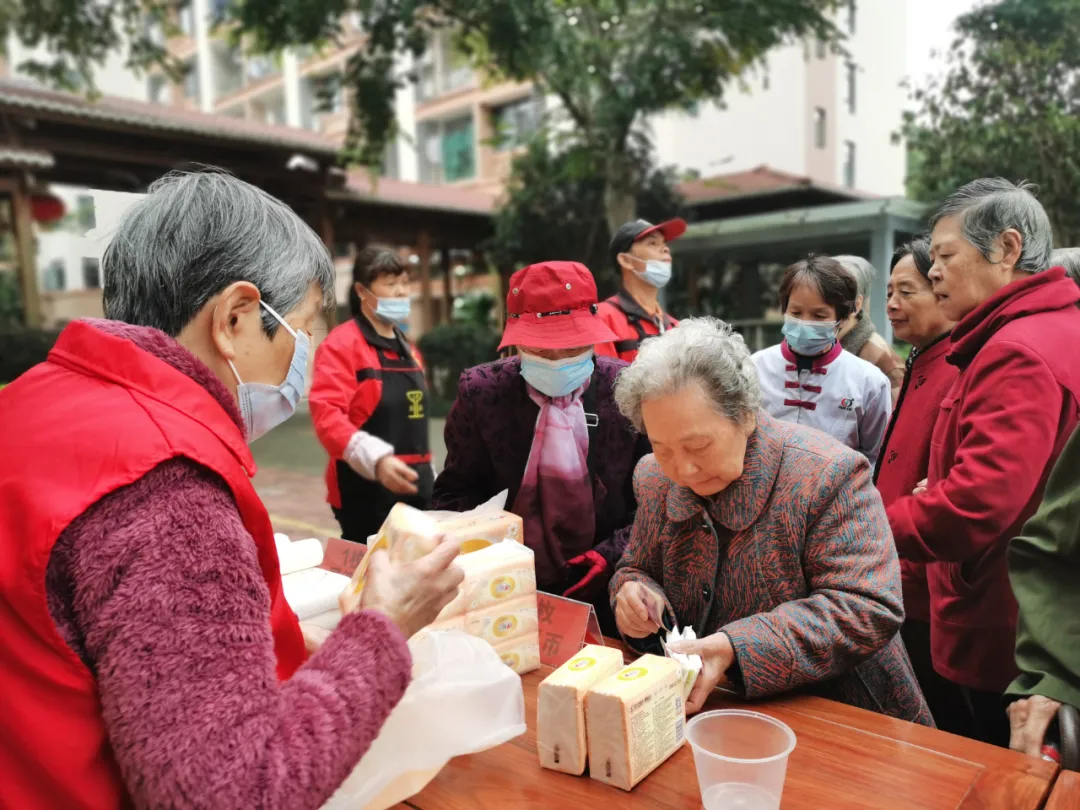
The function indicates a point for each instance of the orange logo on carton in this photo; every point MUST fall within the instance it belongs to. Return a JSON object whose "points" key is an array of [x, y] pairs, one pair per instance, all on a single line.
{"points": [[502, 587], [632, 674], [579, 664], [469, 546], [512, 660], [505, 625]]}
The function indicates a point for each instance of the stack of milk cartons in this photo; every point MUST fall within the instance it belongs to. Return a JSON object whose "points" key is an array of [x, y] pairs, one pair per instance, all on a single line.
{"points": [[497, 600], [311, 592]]}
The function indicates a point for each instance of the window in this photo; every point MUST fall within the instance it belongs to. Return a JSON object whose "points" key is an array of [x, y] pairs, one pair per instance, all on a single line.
{"points": [[191, 82], [91, 273], [187, 20], [390, 166], [228, 72], [819, 127], [84, 212], [822, 51], [55, 276], [852, 8], [852, 77], [261, 66], [444, 68], [849, 164], [516, 122], [447, 151], [157, 89]]}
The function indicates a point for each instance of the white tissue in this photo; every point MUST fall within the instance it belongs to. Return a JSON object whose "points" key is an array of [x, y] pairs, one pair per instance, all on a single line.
{"points": [[300, 555], [313, 592], [691, 664]]}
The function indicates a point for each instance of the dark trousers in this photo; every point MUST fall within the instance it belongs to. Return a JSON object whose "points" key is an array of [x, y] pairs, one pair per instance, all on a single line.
{"points": [[956, 709]]}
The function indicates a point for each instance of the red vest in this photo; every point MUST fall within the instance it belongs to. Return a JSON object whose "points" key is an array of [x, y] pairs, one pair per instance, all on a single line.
{"points": [[97, 416], [630, 323]]}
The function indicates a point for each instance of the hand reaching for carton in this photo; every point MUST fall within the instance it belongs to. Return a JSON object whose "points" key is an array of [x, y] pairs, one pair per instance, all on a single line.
{"points": [[638, 610], [411, 595]]}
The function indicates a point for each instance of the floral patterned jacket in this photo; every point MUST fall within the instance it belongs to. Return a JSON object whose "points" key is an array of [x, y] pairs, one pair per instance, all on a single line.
{"points": [[794, 562]]}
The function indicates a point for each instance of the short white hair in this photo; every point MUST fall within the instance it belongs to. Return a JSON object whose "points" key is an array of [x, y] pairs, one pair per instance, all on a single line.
{"points": [[699, 350], [862, 271]]}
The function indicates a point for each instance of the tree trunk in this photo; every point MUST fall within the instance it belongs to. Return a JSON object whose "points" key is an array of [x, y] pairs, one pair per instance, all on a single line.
{"points": [[620, 203]]}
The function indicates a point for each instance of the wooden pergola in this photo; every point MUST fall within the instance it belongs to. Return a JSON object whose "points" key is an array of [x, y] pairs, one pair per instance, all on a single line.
{"points": [[117, 144]]}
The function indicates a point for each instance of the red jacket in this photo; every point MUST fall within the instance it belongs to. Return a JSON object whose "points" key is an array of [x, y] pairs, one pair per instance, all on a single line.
{"points": [[905, 454], [343, 396], [1000, 430], [631, 324], [97, 416]]}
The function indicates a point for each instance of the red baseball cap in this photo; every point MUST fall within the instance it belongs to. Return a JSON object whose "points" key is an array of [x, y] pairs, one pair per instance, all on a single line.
{"points": [[552, 305]]}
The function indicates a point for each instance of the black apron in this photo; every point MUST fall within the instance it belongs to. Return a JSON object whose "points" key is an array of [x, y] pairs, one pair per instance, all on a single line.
{"points": [[401, 419]]}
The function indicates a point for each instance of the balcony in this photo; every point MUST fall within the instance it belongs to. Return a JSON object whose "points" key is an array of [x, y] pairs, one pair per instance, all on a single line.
{"points": [[447, 150], [443, 70]]}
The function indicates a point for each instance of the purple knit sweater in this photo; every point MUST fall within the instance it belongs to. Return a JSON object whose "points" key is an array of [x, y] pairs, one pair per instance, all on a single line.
{"points": [[158, 589]]}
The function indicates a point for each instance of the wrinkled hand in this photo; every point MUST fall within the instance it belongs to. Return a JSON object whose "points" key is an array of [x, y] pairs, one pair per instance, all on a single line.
{"points": [[717, 656], [637, 609], [920, 487], [410, 595], [1028, 721], [396, 476], [593, 567]]}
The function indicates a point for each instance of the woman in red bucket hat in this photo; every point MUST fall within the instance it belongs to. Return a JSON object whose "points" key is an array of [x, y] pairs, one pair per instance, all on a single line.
{"points": [[544, 426]]}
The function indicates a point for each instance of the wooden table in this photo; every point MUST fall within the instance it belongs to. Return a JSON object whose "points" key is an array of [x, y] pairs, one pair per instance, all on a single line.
{"points": [[1066, 792], [844, 758]]}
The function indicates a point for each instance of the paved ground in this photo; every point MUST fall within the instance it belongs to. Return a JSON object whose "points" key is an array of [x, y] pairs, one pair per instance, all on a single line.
{"points": [[290, 478]]}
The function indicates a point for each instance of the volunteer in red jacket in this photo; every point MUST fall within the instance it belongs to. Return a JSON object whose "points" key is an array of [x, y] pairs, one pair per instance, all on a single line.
{"points": [[905, 454], [640, 251], [149, 658], [1000, 430], [369, 402]]}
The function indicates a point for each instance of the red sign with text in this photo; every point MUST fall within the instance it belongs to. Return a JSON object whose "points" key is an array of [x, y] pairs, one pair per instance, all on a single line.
{"points": [[565, 625], [341, 556]]}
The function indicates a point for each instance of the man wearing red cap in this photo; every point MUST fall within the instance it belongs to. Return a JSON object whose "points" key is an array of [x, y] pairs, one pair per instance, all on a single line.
{"points": [[544, 425], [639, 250]]}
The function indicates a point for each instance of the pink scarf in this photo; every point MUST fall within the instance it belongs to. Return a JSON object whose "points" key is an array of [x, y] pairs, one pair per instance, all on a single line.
{"points": [[556, 498]]}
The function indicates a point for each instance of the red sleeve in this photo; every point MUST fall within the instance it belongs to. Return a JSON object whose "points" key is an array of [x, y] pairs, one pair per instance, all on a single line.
{"points": [[340, 405], [1007, 437], [609, 315]]}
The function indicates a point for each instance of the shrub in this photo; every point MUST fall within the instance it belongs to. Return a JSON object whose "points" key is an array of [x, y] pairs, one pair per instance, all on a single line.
{"points": [[21, 349], [448, 350]]}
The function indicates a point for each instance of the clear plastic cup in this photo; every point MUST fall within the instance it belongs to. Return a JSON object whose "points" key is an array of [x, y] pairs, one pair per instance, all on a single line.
{"points": [[741, 759]]}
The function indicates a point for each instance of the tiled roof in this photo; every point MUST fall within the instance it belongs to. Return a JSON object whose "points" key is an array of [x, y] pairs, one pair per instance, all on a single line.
{"points": [[26, 158], [23, 95], [760, 180], [385, 191]]}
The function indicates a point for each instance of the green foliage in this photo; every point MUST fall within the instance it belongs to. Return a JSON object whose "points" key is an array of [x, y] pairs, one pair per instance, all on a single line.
{"points": [[21, 349], [78, 35], [10, 301], [555, 208], [610, 63], [1009, 106], [475, 308], [448, 350]]}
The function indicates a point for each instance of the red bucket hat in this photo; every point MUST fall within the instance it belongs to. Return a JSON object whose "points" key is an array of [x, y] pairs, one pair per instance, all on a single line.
{"points": [[552, 305]]}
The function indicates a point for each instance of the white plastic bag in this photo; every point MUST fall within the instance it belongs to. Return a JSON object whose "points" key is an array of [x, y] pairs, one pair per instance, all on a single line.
{"points": [[462, 700]]}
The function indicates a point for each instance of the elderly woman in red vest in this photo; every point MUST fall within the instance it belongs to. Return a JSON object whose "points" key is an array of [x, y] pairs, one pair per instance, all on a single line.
{"points": [[149, 658], [766, 537]]}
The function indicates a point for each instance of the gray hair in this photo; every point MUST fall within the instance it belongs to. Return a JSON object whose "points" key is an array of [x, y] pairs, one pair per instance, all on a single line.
{"points": [[862, 271], [990, 206], [701, 350], [1069, 258], [193, 235]]}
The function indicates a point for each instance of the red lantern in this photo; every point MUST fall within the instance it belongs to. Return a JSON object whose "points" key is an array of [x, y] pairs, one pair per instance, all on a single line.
{"points": [[46, 208]]}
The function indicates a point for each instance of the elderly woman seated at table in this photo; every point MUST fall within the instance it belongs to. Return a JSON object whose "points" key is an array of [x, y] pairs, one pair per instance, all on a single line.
{"points": [[766, 537]]}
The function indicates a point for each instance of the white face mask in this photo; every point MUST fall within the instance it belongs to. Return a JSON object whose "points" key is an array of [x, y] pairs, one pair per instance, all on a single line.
{"points": [[657, 273], [264, 406]]}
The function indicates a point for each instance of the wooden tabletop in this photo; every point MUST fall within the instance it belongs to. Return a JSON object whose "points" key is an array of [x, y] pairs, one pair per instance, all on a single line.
{"points": [[1066, 792], [844, 758]]}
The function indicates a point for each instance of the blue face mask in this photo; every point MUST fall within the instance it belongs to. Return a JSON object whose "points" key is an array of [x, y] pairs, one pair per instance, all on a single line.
{"points": [[656, 273], [393, 310], [557, 378], [264, 406], [809, 338]]}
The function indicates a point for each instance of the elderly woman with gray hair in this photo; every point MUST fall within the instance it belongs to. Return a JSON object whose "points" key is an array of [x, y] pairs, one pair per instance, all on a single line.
{"points": [[858, 335], [149, 657], [766, 537]]}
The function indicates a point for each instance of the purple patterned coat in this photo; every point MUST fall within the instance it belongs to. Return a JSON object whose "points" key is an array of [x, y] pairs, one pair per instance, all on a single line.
{"points": [[489, 433], [801, 573]]}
